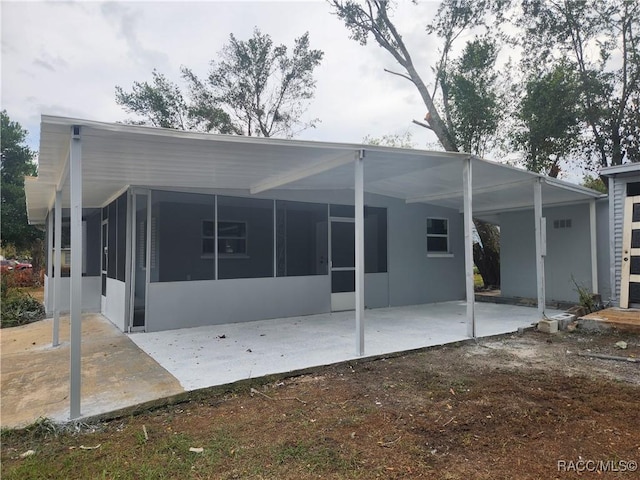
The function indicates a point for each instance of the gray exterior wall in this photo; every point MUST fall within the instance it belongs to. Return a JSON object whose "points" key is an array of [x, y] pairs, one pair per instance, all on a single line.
{"points": [[113, 305], [208, 302], [90, 294], [568, 253], [412, 278]]}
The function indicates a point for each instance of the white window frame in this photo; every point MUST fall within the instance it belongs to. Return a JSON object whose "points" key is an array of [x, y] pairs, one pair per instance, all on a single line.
{"points": [[438, 254]]}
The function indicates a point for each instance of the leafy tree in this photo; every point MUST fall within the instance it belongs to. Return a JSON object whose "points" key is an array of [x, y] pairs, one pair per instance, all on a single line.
{"points": [[594, 183], [160, 102], [400, 140], [371, 19], [631, 129], [17, 161], [549, 120], [471, 94], [264, 89], [254, 88], [601, 38]]}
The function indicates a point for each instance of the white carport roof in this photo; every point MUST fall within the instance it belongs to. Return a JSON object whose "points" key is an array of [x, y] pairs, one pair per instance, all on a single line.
{"points": [[115, 156]]}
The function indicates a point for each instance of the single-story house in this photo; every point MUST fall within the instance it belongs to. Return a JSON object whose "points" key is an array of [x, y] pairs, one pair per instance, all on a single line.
{"points": [[166, 229]]}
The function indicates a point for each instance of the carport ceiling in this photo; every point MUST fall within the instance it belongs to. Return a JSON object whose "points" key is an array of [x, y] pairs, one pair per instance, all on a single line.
{"points": [[115, 156]]}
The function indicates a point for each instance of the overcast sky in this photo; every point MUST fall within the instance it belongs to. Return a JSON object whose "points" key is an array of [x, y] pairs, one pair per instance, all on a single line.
{"points": [[65, 58]]}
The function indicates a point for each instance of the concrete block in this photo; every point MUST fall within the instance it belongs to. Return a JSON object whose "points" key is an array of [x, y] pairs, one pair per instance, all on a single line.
{"points": [[548, 326], [564, 319]]}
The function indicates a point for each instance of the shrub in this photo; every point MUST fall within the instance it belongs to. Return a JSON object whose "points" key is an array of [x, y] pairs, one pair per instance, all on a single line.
{"points": [[18, 307], [23, 278]]}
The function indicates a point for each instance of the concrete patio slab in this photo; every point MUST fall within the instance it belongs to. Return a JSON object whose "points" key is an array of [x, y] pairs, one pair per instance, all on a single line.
{"points": [[214, 355], [34, 376], [120, 371]]}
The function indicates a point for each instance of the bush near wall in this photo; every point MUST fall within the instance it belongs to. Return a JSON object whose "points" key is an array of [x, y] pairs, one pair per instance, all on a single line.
{"points": [[23, 278], [18, 307]]}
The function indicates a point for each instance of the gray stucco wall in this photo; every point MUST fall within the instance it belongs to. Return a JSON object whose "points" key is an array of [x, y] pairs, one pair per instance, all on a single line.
{"points": [[90, 293], [113, 305], [210, 302], [568, 253]]}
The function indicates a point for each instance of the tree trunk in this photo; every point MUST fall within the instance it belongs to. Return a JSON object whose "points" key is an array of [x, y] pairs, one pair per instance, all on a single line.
{"points": [[486, 255]]}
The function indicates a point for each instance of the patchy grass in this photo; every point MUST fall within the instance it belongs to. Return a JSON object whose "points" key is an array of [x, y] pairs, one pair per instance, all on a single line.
{"points": [[501, 409]]}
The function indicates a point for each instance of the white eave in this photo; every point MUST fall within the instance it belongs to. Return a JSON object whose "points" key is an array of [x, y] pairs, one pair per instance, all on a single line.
{"points": [[115, 156], [626, 168]]}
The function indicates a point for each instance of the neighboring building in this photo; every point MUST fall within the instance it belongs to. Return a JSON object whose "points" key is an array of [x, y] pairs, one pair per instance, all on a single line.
{"points": [[624, 228], [181, 229]]}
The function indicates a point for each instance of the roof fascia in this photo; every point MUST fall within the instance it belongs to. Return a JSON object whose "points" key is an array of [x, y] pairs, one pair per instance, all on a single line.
{"points": [[620, 169], [554, 182], [241, 139]]}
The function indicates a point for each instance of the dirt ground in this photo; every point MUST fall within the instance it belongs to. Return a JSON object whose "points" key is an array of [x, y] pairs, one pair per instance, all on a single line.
{"points": [[514, 407]]}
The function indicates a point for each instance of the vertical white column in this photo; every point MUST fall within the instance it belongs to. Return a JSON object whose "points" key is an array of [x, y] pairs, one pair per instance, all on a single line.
{"points": [[75, 174], [215, 237], [275, 241], [540, 233], [57, 267], [467, 188], [49, 290], [359, 238], [594, 246], [129, 264]]}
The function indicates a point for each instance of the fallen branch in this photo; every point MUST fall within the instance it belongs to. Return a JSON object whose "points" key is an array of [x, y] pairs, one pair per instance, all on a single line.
{"points": [[82, 447], [447, 423], [610, 357], [146, 435], [253, 390]]}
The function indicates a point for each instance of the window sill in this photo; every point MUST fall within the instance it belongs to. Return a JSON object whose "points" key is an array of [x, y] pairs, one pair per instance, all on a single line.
{"points": [[440, 255]]}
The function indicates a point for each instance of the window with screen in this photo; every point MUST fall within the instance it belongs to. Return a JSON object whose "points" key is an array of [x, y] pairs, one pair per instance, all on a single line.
{"points": [[301, 239], [245, 238]]}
